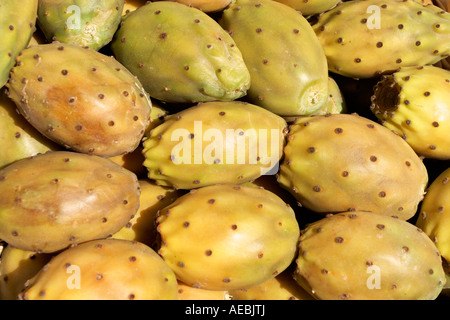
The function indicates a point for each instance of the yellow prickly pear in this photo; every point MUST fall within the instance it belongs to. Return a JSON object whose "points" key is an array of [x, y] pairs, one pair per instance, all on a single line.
{"points": [[282, 287], [18, 138], [109, 110], [215, 142], [107, 269], [245, 235], [328, 170], [415, 103], [187, 292], [368, 256], [16, 268], [206, 5], [74, 197], [367, 38], [310, 7], [434, 217]]}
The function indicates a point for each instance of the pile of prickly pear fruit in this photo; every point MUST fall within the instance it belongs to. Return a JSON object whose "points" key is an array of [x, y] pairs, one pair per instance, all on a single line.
{"points": [[225, 150]]}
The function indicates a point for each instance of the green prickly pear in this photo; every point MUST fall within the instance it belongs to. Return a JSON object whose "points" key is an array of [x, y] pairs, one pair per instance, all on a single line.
{"points": [[434, 217], [89, 103], [17, 25], [310, 7], [16, 267], [245, 235], [329, 170], [90, 23], [287, 65], [415, 103], [368, 256], [180, 54], [19, 139], [106, 269], [366, 38], [73, 196], [214, 142]]}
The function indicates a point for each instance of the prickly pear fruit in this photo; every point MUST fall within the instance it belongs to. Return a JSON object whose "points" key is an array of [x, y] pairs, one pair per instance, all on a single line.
{"points": [[16, 267], [444, 5], [106, 269], [366, 256], [245, 236], [74, 197], [156, 116], [206, 5], [415, 103], [221, 142], [142, 227], [282, 287], [335, 102], [340, 162], [90, 103], [90, 23], [186, 292], [17, 25], [19, 139], [208, 67], [287, 65], [365, 38], [434, 217], [310, 7]]}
